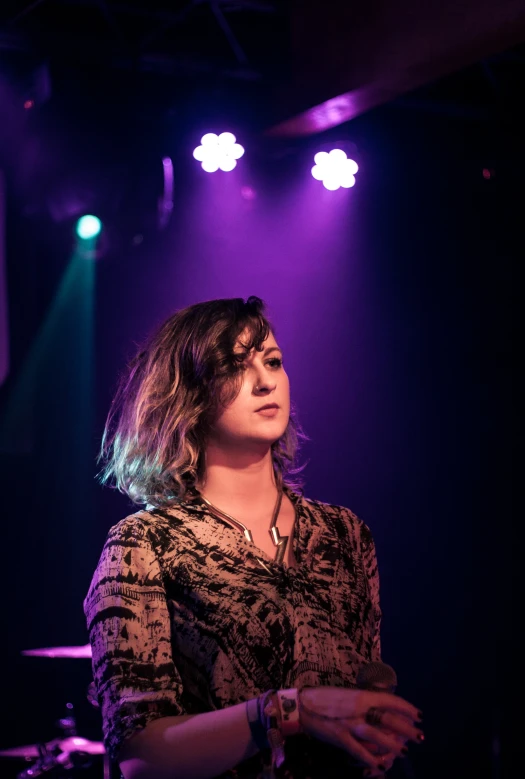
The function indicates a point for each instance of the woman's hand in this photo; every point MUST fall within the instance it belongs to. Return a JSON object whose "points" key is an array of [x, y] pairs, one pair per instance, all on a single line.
{"points": [[383, 757], [343, 717]]}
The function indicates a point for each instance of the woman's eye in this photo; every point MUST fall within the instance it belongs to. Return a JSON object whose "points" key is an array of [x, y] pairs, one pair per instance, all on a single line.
{"points": [[242, 365]]}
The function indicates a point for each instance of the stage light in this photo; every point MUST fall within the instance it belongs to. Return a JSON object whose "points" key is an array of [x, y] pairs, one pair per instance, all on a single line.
{"points": [[334, 169], [218, 152], [88, 227]]}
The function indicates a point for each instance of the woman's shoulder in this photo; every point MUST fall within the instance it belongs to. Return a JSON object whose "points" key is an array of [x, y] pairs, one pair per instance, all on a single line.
{"points": [[133, 526], [334, 511], [152, 526]]}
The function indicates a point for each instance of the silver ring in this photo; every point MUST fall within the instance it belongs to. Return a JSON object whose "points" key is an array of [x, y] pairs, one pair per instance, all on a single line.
{"points": [[374, 716]]}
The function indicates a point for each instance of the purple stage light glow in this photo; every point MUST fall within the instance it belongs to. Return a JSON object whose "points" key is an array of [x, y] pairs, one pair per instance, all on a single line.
{"points": [[334, 169], [218, 152], [165, 206]]}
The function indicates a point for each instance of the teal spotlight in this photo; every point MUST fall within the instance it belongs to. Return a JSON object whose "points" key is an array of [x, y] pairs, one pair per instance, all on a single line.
{"points": [[88, 227]]}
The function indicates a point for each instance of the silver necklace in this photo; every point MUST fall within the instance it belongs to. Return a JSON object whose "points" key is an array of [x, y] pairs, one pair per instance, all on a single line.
{"points": [[281, 542]]}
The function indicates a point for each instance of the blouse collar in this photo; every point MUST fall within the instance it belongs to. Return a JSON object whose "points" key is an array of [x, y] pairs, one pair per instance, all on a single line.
{"points": [[194, 499]]}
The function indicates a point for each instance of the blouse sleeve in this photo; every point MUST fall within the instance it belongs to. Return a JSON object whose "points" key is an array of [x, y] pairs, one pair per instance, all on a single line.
{"points": [[129, 631], [368, 552]]}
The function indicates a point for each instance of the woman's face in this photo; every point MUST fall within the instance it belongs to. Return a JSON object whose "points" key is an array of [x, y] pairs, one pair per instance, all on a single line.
{"points": [[264, 381]]}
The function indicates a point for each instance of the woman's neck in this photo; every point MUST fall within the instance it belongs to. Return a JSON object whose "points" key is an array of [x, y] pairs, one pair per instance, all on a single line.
{"points": [[240, 486]]}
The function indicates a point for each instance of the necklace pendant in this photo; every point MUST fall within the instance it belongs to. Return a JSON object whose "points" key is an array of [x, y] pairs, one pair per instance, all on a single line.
{"points": [[263, 565], [281, 542]]}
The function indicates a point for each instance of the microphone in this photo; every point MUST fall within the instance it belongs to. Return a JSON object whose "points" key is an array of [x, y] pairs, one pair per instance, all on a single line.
{"points": [[378, 677]]}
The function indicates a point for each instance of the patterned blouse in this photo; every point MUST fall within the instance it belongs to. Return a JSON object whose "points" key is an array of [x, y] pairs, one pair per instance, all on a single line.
{"points": [[184, 619]]}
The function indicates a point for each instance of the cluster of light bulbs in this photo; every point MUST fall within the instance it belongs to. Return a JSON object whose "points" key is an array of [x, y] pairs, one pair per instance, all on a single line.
{"points": [[334, 169], [221, 152], [218, 152]]}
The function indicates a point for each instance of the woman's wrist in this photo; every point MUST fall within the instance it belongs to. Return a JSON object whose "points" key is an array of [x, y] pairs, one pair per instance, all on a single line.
{"points": [[303, 711], [257, 722], [273, 717]]}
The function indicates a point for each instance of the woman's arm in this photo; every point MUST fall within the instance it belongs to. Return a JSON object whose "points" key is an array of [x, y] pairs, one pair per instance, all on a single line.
{"points": [[203, 746], [146, 728], [195, 746], [369, 556]]}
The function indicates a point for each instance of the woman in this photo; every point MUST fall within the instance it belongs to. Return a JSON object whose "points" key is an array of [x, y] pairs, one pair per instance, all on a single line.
{"points": [[229, 618]]}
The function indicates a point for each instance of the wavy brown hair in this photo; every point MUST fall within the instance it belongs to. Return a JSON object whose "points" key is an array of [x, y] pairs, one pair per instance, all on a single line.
{"points": [[156, 431]]}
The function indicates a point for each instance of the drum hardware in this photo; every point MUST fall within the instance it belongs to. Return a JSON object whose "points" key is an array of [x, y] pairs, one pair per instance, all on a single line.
{"points": [[92, 696], [70, 744], [57, 759], [71, 752], [82, 651]]}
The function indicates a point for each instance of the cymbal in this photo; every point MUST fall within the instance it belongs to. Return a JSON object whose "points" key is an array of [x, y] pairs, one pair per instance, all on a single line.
{"points": [[70, 744], [79, 744], [60, 651]]}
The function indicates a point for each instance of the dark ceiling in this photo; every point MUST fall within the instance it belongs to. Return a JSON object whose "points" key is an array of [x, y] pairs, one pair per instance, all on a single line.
{"points": [[245, 40], [159, 50]]}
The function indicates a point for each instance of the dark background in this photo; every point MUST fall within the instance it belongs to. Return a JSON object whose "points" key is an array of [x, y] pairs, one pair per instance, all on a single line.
{"points": [[399, 353]]}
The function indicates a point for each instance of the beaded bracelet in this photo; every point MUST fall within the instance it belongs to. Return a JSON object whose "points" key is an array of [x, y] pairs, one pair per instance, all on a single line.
{"points": [[272, 724], [263, 719], [256, 723], [272, 717]]}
